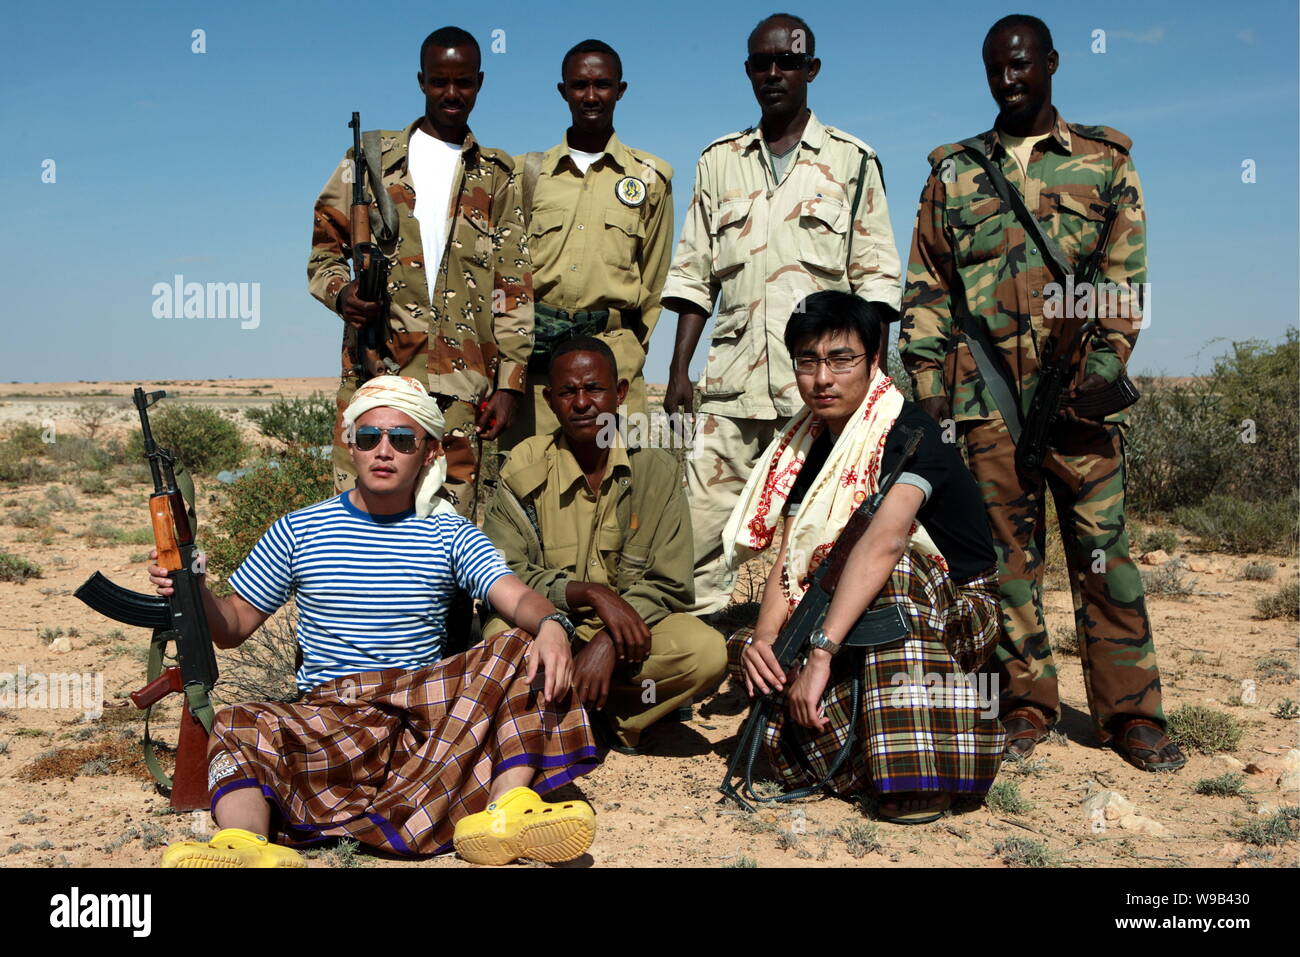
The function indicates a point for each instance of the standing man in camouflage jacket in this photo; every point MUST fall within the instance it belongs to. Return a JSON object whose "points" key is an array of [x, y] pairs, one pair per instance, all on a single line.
{"points": [[976, 282], [780, 210], [461, 312]]}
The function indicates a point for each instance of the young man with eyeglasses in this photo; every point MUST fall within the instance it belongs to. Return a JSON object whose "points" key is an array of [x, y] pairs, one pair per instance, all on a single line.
{"points": [[922, 734], [780, 210], [392, 744]]}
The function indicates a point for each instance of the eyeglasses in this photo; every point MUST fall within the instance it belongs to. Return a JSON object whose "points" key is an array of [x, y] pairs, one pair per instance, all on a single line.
{"points": [[401, 438], [762, 62], [807, 365]]}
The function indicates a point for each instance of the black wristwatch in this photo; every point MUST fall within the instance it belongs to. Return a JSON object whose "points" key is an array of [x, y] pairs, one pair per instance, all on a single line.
{"points": [[563, 621]]}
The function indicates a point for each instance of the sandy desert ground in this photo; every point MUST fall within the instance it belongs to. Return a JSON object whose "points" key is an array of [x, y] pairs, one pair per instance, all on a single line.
{"points": [[75, 793]]}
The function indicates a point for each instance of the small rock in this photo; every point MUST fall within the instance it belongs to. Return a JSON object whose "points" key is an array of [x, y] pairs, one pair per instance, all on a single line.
{"points": [[1231, 850], [1228, 762], [1292, 760], [768, 816], [60, 646], [1112, 804], [1289, 780], [1262, 767], [1266, 809], [1158, 557], [1143, 825], [1200, 565]]}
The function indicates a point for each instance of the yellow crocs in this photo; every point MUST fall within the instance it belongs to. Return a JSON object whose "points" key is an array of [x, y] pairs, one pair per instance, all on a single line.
{"points": [[520, 824], [231, 847]]}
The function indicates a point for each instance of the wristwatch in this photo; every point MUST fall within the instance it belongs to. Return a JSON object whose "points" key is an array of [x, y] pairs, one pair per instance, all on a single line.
{"points": [[563, 621], [818, 639]]}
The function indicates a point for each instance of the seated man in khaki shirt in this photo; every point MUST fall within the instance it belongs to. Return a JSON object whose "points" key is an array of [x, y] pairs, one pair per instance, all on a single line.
{"points": [[602, 529]]}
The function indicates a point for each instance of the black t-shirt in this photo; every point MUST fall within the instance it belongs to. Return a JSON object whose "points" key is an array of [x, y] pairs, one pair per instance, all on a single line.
{"points": [[953, 511]]}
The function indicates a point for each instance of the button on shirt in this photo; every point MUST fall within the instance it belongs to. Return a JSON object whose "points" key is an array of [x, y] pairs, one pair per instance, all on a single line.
{"points": [[754, 247], [583, 536]]}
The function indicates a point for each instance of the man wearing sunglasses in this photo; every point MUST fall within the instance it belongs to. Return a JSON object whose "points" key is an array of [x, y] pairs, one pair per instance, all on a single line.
{"points": [[601, 528], [780, 210], [460, 287], [392, 743]]}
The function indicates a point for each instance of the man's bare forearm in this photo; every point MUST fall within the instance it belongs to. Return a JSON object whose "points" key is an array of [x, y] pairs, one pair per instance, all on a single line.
{"points": [[690, 325]]}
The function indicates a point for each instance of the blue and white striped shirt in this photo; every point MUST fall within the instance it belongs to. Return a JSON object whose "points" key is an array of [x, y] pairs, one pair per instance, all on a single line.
{"points": [[372, 590]]}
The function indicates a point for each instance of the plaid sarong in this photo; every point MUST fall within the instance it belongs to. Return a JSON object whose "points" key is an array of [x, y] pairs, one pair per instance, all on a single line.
{"points": [[395, 758], [920, 726]]}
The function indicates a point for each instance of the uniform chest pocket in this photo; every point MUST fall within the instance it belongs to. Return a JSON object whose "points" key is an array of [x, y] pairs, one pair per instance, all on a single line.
{"points": [[1078, 222], [478, 235], [622, 237], [731, 240], [977, 231], [544, 234], [823, 241]]}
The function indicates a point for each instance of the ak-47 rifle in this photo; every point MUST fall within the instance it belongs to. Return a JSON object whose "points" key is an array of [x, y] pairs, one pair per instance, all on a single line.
{"points": [[179, 619], [877, 626], [367, 346], [1059, 363]]}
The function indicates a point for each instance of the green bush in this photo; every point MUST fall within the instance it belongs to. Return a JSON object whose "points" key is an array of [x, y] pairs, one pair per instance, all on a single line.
{"points": [[1259, 572], [1004, 797], [1225, 785], [23, 456], [297, 422], [201, 438], [1282, 603], [257, 499], [16, 569], [1204, 729], [1177, 448], [1257, 385], [1163, 540], [1229, 523]]}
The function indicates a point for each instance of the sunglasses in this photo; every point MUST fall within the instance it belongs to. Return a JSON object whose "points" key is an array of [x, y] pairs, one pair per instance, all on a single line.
{"points": [[762, 62], [401, 438]]}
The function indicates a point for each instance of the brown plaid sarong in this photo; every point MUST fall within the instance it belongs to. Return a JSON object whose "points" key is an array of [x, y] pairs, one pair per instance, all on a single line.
{"points": [[395, 758], [921, 725]]}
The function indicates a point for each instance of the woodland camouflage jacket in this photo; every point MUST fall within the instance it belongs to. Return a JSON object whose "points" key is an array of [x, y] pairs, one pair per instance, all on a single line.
{"points": [[962, 228]]}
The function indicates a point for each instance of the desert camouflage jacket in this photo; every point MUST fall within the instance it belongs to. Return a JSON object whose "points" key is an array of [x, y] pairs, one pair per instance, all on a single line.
{"points": [[962, 229], [754, 247], [477, 333]]}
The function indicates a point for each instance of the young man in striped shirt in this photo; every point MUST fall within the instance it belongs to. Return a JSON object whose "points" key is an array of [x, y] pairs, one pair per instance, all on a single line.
{"points": [[392, 744]]}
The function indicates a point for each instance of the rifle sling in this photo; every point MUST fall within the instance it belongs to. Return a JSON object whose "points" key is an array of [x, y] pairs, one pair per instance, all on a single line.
{"points": [[196, 701], [373, 148]]}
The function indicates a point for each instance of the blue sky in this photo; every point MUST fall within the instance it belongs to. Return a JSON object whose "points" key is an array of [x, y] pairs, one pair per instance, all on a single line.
{"points": [[207, 165]]}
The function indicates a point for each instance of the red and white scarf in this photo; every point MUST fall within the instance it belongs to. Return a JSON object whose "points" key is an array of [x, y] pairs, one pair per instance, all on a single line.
{"points": [[850, 475]]}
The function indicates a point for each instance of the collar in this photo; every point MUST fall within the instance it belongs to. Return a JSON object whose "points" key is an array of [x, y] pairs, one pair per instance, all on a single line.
{"points": [[1060, 132], [814, 135], [395, 154], [570, 474], [615, 153]]}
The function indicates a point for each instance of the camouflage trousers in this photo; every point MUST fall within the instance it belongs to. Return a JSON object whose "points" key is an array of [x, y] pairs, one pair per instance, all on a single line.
{"points": [[458, 443], [720, 460], [1085, 474]]}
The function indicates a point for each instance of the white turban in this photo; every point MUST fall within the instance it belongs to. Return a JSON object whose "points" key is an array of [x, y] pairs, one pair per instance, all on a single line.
{"points": [[408, 396]]}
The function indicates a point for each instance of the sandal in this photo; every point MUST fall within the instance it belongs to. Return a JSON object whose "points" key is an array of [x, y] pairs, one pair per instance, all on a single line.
{"points": [[934, 809], [1023, 724], [1145, 745]]}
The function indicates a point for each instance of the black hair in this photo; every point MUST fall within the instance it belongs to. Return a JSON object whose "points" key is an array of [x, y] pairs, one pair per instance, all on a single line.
{"points": [[1037, 26], [593, 46], [830, 311], [803, 25], [446, 38], [585, 344]]}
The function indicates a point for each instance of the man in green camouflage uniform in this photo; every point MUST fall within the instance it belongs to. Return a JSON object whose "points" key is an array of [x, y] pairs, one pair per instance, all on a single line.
{"points": [[780, 210], [970, 248], [466, 332]]}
